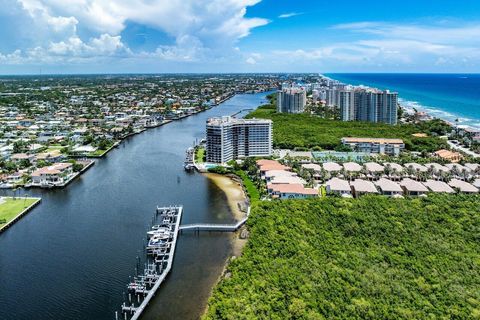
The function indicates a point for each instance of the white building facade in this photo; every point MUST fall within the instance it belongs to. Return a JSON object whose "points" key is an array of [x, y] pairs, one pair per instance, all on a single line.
{"points": [[230, 139], [291, 100]]}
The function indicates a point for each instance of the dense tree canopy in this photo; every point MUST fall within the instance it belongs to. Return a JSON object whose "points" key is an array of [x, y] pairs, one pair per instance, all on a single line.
{"points": [[306, 131], [371, 258]]}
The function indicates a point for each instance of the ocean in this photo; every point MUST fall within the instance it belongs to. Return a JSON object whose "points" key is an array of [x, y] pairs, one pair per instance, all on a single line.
{"points": [[445, 96]]}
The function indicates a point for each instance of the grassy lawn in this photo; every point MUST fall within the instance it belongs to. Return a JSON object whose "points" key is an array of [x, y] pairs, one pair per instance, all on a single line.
{"points": [[252, 190], [10, 208], [54, 147], [97, 153], [200, 155]]}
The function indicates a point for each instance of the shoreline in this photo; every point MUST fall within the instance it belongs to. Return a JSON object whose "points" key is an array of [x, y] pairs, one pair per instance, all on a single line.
{"points": [[433, 112], [235, 193]]}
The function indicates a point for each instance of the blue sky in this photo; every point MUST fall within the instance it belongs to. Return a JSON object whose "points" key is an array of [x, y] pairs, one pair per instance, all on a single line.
{"points": [[99, 36]]}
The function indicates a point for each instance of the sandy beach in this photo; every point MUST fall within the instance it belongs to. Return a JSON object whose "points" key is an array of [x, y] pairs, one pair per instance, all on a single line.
{"points": [[235, 197], [233, 191]]}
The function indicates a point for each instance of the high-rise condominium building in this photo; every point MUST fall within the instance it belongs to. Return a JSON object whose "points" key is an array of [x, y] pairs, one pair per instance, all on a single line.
{"points": [[364, 104], [230, 139], [291, 100]]}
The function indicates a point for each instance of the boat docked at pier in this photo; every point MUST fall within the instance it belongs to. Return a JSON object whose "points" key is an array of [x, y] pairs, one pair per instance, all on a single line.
{"points": [[160, 250]]}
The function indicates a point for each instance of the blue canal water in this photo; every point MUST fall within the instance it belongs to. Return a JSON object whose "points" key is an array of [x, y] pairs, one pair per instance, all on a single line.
{"points": [[446, 96], [71, 256]]}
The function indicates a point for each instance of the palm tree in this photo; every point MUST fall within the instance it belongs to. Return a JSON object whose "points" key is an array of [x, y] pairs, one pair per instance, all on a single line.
{"points": [[388, 169]]}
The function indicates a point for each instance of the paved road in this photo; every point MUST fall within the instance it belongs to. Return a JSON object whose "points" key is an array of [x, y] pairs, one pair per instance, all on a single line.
{"points": [[466, 150]]}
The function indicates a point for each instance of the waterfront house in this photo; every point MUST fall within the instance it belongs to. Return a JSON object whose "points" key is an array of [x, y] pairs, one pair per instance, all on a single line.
{"points": [[272, 174], [389, 188], [287, 180], [339, 187], [54, 175], [15, 178], [413, 188], [265, 165], [18, 157]]}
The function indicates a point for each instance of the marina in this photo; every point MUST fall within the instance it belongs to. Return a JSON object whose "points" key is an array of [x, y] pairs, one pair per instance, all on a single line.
{"points": [[83, 239], [160, 251]]}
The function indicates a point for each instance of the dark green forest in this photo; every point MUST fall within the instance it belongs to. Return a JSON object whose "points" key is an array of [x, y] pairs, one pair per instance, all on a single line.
{"points": [[368, 258], [304, 131]]}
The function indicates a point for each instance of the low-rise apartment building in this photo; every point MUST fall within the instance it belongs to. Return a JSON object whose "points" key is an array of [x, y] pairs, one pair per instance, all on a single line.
{"points": [[375, 145]]}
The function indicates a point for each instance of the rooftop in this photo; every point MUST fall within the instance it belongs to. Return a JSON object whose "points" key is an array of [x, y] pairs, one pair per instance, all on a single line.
{"points": [[230, 120], [438, 186], [372, 140]]}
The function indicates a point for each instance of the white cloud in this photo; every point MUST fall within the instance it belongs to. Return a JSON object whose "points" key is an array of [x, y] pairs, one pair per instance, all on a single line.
{"points": [[290, 14], [386, 45], [251, 60], [201, 29]]}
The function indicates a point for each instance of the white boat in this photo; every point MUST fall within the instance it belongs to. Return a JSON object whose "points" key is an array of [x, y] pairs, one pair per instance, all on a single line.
{"points": [[6, 185], [159, 233]]}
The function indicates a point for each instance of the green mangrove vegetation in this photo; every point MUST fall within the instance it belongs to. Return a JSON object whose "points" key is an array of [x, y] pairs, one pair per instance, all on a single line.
{"points": [[305, 131], [368, 258]]}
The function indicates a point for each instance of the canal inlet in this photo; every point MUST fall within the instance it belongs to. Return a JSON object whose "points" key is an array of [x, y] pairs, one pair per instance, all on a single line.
{"points": [[83, 239]]}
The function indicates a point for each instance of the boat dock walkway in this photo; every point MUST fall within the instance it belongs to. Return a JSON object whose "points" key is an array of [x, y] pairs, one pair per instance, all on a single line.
{"points": [[214, 227], [156, 270], [160, 251]]}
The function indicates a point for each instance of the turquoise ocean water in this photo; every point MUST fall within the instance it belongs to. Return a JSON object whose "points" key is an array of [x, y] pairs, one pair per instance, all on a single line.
{"points": [[446, 96]]}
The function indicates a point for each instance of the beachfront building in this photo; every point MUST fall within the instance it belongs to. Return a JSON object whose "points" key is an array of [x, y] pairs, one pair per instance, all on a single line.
{"points": [[230, 139], [375, 145], [374, 105], [291, 100], [363, 104]]}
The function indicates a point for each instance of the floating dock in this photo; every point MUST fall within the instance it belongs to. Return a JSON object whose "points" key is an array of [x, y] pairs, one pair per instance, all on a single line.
{"points": [[160, 252]]}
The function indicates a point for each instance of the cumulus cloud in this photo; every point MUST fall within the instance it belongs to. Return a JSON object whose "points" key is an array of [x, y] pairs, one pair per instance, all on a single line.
{"points": [[200, 28], [378, 44]]}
